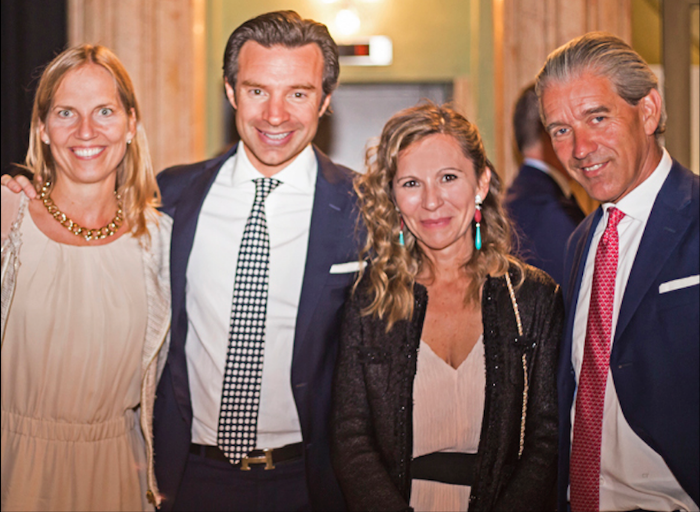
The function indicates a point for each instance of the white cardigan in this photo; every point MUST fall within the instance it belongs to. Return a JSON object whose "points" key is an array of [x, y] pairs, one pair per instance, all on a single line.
{"points": [[156, 259]]}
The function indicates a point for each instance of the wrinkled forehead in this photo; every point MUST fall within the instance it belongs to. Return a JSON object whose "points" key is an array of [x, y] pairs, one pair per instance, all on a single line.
{"points": [[583, 74], [575, 87]]}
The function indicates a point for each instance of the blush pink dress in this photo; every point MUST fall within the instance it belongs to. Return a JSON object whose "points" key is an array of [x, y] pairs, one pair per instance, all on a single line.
{"points": [[447, 413]]}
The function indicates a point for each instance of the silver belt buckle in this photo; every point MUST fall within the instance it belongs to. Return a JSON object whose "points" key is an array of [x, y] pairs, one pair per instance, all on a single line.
{"points": [[260, 459]]}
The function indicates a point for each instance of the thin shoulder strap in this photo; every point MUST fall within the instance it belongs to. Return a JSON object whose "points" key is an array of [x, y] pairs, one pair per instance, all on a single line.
{"points": [[526, 384], [515, 305]]}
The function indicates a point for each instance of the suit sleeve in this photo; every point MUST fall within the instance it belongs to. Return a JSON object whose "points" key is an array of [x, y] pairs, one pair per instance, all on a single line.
{"points": [[172, 183]]}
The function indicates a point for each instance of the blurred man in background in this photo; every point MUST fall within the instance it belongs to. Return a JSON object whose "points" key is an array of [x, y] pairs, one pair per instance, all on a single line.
{"points": [[539, 201]]}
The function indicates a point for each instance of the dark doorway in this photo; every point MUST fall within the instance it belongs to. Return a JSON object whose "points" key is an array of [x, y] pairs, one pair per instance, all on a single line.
{"points": [[33, 32]]}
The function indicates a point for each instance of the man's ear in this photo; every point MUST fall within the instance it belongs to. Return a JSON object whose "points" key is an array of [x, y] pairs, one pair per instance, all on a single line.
{"points": [[324, 105], [651, 111], [230, 94]]}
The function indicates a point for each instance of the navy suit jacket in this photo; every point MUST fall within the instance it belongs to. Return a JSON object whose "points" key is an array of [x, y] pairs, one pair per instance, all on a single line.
{"points": [[544, 219], [331, 240], [654, 358]]}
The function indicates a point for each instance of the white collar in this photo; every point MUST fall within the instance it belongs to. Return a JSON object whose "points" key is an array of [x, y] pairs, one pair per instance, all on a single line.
{"points": [[638, 203], [300, 173]]}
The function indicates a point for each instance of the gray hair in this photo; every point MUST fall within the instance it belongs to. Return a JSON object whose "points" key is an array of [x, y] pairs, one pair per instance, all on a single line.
{"points": [[288, 29], [605, 55]]}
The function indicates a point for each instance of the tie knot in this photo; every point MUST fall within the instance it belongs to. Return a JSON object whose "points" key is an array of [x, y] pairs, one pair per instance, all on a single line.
{"points": [[263, 187], [614, 218]]}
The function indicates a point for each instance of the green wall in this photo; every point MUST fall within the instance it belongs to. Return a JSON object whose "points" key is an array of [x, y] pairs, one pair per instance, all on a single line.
{"points": [[646, 31], [453, 39]]}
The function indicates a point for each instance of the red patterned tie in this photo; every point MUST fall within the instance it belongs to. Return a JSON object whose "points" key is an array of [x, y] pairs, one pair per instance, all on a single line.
{"points": [[588, 422]]}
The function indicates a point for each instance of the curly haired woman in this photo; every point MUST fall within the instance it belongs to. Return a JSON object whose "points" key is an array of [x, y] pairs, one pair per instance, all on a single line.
{"points": [[445, 392]]}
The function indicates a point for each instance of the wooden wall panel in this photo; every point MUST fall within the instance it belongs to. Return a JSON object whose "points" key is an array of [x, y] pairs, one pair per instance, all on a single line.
{"points": [[162, 46], [677, 63]]}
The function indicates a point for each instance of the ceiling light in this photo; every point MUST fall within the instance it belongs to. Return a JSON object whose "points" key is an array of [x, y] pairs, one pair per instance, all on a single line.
{"points": [[347, 22]]}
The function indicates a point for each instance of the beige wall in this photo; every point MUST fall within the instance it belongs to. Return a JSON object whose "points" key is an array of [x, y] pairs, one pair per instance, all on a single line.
{"points": [[162, 46]]}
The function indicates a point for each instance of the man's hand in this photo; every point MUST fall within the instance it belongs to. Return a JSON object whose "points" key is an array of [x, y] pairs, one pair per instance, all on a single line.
{"points": [[18, 184]]}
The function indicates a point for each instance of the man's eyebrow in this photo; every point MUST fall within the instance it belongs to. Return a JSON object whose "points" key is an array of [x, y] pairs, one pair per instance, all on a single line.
{"points": [[597, 110], [549, 127], [601, 109], [308, 87], [248, 83]]}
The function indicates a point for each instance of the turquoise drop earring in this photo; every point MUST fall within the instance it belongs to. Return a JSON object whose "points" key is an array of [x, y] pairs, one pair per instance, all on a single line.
{"points": [[477, 219], [401, 243]]}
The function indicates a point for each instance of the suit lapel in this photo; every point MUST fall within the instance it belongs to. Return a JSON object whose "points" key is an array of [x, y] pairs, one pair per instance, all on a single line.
{"points": [[669, 219], [185, 224], [575, 278], [184, 227], [331, 213]]}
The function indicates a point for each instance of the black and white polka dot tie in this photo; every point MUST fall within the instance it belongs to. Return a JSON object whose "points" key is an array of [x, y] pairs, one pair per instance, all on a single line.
{"points": [[240, 397]]}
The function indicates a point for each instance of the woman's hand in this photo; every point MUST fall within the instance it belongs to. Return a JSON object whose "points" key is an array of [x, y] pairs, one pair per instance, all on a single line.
{"points": [[18, 184]]}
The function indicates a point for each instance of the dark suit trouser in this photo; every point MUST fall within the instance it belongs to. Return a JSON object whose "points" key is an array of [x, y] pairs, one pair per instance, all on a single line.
{"points": [[212, 485]]}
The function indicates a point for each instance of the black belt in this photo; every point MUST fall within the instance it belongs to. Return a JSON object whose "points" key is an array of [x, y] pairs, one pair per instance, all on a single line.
{"points": [[270, 457], [446, 467]]}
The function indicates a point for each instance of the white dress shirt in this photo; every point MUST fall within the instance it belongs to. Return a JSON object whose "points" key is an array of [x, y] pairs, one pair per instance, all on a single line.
{"points": [[632, 475], [551, 172], [211, 273]]}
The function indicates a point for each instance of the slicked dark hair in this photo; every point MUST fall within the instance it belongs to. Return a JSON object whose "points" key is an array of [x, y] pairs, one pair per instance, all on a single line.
{"points": [[527, 125], [288, 29]]}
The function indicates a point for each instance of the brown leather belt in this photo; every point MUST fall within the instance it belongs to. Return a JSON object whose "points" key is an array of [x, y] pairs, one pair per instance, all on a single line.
{"points": [[269, 457]]}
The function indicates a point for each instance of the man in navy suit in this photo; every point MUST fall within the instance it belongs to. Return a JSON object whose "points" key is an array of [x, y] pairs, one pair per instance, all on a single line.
{"points": [[631, 287], [539, 201], [280, 71]]}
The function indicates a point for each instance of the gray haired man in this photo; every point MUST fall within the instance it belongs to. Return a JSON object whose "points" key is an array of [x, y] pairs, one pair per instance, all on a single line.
{"points": [[629, 367]]}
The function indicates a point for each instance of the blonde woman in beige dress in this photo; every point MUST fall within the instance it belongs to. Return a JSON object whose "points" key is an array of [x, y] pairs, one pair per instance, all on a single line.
{"points": [[85, 298]]}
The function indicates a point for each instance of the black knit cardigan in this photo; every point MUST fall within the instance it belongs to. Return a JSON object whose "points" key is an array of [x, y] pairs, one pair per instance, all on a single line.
{"points": [[372, 431]]}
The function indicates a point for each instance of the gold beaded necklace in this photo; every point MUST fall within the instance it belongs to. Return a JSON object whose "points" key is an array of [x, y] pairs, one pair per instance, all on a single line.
{"points": [[88, 234]]}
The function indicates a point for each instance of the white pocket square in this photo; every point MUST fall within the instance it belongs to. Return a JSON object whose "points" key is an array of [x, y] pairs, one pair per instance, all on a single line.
{"points": [[346, 268], [677, 284]]}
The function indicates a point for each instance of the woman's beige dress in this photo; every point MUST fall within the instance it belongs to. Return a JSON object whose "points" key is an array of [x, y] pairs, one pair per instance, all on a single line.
{"points": [[447, 414], [71, 376]]}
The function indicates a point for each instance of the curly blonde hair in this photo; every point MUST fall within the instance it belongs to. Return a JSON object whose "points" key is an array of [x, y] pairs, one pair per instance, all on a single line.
{"points": [[393, 268], [136, 179]]}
